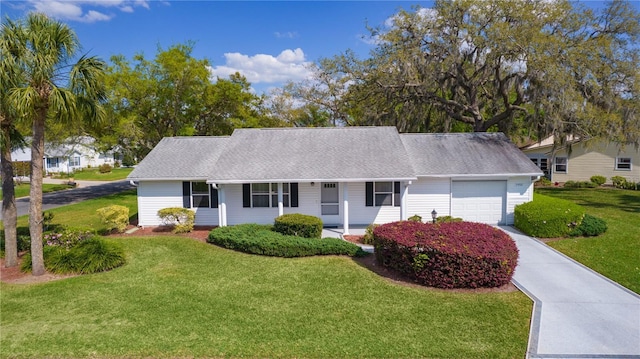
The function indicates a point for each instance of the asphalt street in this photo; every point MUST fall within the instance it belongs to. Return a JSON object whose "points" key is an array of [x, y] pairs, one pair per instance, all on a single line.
{"points": [[75, 195]]}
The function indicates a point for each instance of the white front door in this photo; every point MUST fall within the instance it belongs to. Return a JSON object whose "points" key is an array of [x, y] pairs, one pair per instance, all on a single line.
{"points": [[330, 202]]}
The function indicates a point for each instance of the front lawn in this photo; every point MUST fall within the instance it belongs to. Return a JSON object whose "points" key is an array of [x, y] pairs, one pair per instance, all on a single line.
{"points": [[93, 174], [177, 297], [615, 253], [22, 190]]}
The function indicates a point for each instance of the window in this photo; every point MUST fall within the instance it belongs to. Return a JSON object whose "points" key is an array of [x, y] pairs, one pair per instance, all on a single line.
{"points": [[74, 161], [383, 194], [52, 162], [542, 163], [199, 195], [264, 195], [561, 165], [623, 163]]}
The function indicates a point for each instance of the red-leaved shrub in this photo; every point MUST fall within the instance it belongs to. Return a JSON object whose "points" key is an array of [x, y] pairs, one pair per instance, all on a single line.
{"points": [[447, 255]]}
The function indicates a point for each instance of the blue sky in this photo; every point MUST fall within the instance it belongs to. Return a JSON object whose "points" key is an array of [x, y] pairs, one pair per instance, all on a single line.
{"points": [[270, 42]]}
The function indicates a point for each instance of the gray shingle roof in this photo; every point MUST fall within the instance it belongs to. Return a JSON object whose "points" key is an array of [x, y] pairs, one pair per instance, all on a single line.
{"points": [[466, 154], [186, 158], [331, 154], [345, 154]]}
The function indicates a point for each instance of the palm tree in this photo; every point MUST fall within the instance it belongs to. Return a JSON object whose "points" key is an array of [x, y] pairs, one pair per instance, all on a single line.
{"points": [[10, 77], [47, 50]]}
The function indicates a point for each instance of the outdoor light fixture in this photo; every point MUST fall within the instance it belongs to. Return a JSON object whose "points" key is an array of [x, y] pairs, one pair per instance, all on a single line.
{"points": [[434, 215]]}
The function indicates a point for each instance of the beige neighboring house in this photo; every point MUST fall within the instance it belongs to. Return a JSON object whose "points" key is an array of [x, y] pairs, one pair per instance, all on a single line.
{"points": [[586, 158]]}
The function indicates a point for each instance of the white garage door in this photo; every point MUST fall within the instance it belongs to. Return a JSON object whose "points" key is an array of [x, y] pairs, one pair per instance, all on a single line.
{"points": [[479, 201]]}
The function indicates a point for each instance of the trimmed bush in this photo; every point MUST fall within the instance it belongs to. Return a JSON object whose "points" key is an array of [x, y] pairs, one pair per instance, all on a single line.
{"points": [[448, 219], [599, 180], [548, 217], [415, 218], [181, 219], [368, 234], [105, 168], [619, 181], [301, 225], [447, 255], [590, 227], [115, 217], [90, 256], [261, 239]]}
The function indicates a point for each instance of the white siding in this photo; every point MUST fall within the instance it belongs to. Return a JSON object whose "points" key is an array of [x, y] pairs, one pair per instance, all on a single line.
{"points": [[308, 203], [360, 214], [153, 196], [427, 194], [519, 190]]}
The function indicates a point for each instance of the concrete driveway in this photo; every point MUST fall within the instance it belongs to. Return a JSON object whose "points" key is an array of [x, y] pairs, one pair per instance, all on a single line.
{"points": [[578, 313]]}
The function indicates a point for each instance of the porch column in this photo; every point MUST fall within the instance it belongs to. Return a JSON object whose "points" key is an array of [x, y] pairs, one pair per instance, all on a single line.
{"points": [[222, 207], [403, 200], [280, 200], [345, 208]]}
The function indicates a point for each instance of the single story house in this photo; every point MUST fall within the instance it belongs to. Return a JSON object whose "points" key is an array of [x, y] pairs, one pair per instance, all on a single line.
{"points": [[72, 154], [584, 159], [346, 176]]}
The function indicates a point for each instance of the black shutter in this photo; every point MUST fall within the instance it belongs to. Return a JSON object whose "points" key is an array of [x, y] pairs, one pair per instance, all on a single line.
{"points": [[186, 194], [213, 197], [369, 194], [246, 195], [396, 194], [293, 187]]}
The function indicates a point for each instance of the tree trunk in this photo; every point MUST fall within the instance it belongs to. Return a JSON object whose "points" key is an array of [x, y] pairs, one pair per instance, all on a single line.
{"points": [[9, 211], [35, 194]]}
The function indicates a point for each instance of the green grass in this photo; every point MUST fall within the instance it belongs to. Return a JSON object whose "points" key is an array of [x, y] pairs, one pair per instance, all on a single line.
{"points": [[615, 253], [93, 174], [84, 214], [22, 190], [177, 297]]}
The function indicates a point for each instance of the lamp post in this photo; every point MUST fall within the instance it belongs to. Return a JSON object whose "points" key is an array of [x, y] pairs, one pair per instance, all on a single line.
{"points": [[434, 215]]}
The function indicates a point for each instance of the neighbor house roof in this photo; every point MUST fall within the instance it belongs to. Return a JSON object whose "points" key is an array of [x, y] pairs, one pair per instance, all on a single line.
{"points": [[299, 154], [341, 154], [463, 154], [181, 158]]}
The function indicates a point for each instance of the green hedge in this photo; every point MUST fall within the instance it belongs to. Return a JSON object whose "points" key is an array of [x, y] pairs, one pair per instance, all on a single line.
{"points": [[301, 225], [548, 217], [261, 239], [589, 227]]}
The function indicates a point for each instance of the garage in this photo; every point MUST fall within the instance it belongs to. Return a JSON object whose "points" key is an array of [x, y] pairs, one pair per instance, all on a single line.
{"points": [[479, 201]]}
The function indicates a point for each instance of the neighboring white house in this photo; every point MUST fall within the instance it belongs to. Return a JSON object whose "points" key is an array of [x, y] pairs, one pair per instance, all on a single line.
{"points": [[72, 154], [346, 176], [585, 159]]}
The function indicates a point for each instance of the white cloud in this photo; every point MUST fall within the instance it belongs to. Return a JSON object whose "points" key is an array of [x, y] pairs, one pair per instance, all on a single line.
{"points": [[85, 10], [289, 65], [286, 35]]}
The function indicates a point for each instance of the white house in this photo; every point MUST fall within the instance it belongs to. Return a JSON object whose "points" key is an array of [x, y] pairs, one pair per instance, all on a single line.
{"points": [[346, 176], [72, 154]]}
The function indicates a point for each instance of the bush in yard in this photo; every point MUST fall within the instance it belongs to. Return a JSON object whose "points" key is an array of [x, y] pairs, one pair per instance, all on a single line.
{"points": [[415, 218], [105, 168], [89, 256], [599, 180], [447, 255], [448, 219], [548, 217], [115, 217], [181, 219], [261, 239], [301, 225], [23, 238], [67, 237], [368, 234], [590, 227]]}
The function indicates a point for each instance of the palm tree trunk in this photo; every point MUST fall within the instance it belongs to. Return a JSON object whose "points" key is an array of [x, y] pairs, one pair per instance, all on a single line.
{"points": [[35, 193], [9, 211]]}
